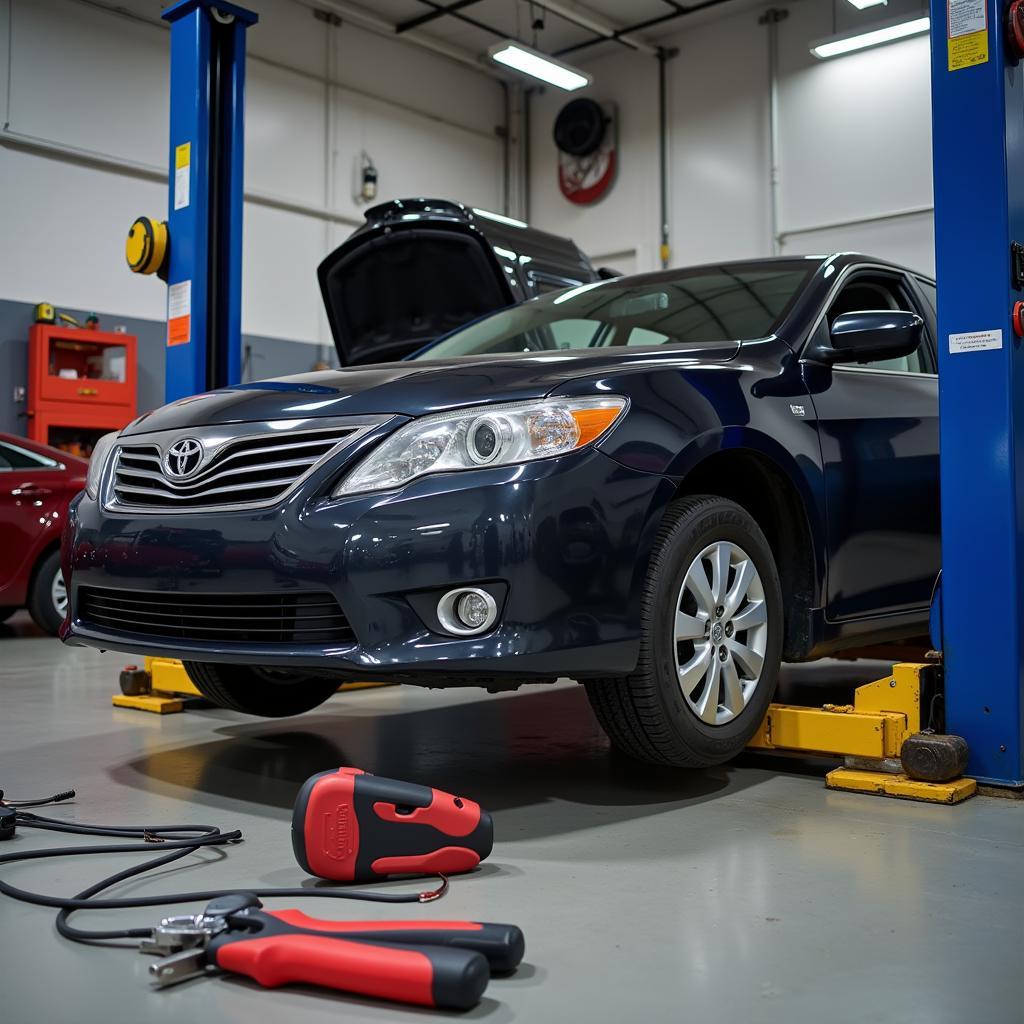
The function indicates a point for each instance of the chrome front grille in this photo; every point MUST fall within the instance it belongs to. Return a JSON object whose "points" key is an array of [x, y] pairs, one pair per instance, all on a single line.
{"points": [[247, 466]]}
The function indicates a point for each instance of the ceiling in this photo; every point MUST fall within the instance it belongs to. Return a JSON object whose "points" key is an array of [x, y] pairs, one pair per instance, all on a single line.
{"points": [[473, 25]]}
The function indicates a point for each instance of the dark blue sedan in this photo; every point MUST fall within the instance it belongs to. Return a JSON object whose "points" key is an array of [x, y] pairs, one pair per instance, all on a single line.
{"points": [[661, 485]]}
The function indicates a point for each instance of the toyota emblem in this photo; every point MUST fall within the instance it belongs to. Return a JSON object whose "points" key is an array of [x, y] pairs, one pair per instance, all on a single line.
{"points": [[183, 458]]}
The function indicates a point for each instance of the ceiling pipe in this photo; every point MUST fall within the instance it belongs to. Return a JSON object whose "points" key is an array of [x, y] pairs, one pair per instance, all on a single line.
{"points": [[771, 18], [365, 19], [664, 249], [597, 25], [620, 34], [437, 12], [453, 11]]}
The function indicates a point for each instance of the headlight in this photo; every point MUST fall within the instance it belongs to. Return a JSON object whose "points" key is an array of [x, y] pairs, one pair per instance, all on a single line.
{"points": [[491, 436], [97, 461]]}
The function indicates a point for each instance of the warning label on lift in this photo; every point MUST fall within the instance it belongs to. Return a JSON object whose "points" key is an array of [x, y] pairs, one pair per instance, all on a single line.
{"points": [[975, 341], [182, 167], [179, 313], [966, 33]]}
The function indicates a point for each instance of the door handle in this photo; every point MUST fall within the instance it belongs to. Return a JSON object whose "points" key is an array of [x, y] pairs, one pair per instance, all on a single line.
{"points": [[30, 491]]}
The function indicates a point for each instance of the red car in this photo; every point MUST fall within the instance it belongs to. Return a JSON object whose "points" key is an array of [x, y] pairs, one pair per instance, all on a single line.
{"points": [[36, 484]]}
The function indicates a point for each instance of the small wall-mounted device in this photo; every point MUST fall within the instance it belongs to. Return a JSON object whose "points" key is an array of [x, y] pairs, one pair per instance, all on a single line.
{"points": [[367, 178]]}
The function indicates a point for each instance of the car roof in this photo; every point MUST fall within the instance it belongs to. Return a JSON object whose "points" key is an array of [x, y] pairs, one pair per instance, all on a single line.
{"points": [[42, 449], [839, 260]]}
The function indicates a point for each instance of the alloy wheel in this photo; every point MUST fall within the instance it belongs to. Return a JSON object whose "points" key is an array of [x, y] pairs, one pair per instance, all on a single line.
{"points": [[721, 631], [59, 594]]}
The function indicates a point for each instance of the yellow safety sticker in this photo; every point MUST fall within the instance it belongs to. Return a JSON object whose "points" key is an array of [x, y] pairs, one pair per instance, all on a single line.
{"points": [[182, 167], [966, 33]]}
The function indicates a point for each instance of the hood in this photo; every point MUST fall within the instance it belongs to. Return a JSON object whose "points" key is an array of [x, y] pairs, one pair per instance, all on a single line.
{"points": [[414, 271], [415, 388], [419, 268]]}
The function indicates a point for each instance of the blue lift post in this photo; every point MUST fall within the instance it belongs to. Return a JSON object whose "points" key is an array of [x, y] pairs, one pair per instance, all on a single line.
{"points": [[978, 155], [204, 270], [200, 252]]}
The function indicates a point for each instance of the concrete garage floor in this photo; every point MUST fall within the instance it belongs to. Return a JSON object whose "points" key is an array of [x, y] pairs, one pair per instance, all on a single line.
{"points": [[742, 893]]}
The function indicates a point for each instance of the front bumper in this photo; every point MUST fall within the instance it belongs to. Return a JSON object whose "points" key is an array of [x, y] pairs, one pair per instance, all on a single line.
{"points": [[569, 537]]}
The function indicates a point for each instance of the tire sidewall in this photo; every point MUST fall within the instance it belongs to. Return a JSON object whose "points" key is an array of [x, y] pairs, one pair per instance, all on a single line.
{"points": [[717, 521], [41, 607], [244, 689]]}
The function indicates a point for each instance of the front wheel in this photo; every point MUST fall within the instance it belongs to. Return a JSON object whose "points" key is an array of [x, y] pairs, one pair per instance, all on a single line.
{"points": [[254, 690], [710, 644], [48, 597]]}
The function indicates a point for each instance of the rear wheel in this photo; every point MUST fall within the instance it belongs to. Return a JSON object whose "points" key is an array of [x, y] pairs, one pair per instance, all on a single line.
{"points": [[48, 597], [255, 690], [710, 645]]}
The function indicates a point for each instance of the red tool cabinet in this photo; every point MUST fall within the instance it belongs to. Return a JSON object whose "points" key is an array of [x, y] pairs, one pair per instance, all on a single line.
{"points": [[81, 384]]}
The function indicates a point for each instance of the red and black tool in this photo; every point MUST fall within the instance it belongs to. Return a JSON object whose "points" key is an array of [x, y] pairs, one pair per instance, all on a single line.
{"points": [[350, 826], [442, 964]]}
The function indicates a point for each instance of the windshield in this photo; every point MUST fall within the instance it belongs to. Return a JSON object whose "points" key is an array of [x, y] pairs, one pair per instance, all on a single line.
{"points": [[691, 307]]}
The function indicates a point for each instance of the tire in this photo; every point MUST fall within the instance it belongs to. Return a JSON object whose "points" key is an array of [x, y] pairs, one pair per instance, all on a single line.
{"points": [[267, 692], [655, 714], [48, 598]]}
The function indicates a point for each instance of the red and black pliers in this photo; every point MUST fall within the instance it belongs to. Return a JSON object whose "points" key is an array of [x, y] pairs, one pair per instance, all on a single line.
{"points": [[441, 964]]}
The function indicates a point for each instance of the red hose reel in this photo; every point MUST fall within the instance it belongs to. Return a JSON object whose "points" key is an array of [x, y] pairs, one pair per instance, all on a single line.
{"points": [[1015, 28]]}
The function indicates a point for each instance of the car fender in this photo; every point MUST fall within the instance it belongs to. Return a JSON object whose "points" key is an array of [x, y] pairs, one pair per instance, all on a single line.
{"points": [[680, 416], [802, 469]]}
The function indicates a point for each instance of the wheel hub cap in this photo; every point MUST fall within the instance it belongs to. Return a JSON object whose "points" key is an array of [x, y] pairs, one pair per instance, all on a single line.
{"points": [[59, 594], [721, 632]]}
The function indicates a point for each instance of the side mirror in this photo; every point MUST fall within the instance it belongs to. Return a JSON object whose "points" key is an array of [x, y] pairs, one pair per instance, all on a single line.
{"points": [[871, 334]]}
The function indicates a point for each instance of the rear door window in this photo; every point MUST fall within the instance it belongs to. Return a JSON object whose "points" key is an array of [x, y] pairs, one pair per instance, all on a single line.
{"points": [[12, 457]]}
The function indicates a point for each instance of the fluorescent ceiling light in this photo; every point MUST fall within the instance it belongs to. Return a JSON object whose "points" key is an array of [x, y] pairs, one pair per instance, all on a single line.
{"points": [[862, 5], [538, 65], [837, 46]]}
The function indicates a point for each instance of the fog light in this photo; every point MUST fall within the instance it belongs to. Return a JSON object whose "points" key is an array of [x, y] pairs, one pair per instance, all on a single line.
{"points": [[472, 610], [467, 611]]}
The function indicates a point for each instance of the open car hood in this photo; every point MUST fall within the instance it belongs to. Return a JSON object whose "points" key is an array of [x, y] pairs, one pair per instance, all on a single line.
{"points": [[414, 271]]}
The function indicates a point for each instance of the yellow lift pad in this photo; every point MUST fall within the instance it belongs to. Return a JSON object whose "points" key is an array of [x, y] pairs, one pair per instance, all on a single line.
{"points": [[157, 703], [171, 687], [883, 784]]}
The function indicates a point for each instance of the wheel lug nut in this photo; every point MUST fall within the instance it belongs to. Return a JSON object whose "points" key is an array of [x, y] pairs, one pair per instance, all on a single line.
{"points": [[721, 654], [728, 629], [719, 611]]}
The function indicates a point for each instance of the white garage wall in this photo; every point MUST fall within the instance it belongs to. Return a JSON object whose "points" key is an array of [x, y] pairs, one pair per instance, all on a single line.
{"points": [[85, 81], [626, 220], [854, 153], [855, 145]]}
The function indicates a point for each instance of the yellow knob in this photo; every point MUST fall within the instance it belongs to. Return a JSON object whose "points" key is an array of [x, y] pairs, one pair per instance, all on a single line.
{"points": [[146, 246]]}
